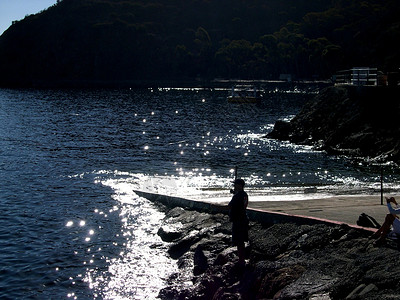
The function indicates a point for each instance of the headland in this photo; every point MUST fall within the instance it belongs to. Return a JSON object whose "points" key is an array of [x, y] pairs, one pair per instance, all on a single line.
{"points": [[359, 121]]}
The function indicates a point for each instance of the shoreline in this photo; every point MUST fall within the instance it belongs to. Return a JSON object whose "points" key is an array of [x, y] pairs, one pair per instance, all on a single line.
{"points": [[283, 261], [162, 83], [346, 120]]}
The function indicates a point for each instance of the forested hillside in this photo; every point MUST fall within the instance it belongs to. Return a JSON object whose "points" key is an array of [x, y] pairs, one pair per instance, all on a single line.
{"points": [[109, 41]]}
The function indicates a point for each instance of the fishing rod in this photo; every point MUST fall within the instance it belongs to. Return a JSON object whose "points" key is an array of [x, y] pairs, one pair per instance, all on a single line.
{"points": [[381, 185], [236, 169]]}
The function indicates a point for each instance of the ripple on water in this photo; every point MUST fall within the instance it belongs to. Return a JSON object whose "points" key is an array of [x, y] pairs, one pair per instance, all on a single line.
{"points": [[69, 160], [142, 266]]}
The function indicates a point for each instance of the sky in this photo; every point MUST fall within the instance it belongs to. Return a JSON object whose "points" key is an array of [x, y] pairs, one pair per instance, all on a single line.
{"points": [[12, 10]]}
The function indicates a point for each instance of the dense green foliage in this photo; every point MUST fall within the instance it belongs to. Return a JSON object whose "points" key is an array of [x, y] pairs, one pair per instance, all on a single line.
{"points": [[124, 40]]}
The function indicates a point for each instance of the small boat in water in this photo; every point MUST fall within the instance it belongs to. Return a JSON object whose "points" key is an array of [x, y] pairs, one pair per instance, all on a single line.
{"points": [[244, 94]]}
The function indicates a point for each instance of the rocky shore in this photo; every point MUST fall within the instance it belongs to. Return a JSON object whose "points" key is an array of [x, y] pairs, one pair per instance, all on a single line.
{"points": [[350, 120], [284, 261]]}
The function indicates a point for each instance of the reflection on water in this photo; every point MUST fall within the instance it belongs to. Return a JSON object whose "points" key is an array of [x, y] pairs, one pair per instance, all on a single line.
{"points": [[70, 160], [142, 265]]}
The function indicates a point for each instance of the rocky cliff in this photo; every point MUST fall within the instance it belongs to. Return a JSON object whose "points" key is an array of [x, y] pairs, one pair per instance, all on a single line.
{"points": [[356, 121]]}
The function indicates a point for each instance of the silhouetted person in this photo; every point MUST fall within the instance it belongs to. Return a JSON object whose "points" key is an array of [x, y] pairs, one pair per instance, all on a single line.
{"points": [[237, 214]]}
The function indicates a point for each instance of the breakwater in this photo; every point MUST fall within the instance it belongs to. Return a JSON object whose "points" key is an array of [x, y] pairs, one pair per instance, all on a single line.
{"points": [[263, 217], [283, 261]]}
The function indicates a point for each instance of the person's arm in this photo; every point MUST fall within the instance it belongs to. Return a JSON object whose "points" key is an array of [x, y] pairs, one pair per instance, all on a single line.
{"points": [[246, 201], [394, 211]]}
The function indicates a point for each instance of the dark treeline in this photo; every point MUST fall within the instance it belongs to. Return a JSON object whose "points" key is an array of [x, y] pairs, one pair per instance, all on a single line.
{"points": [[128, 40]]}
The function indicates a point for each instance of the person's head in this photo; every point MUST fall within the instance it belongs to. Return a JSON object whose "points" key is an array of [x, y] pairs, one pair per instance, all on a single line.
{"points": [[238, 184]]}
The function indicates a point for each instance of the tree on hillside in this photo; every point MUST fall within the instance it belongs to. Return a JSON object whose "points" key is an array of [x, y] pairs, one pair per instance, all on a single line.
{"points": [[116, 40]]}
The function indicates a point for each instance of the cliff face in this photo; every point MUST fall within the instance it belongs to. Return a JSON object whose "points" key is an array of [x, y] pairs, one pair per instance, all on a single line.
{"points": [[358, 121]]}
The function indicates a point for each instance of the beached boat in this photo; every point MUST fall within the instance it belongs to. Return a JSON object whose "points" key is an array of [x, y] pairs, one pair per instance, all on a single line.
{"points": [[244, 94]]}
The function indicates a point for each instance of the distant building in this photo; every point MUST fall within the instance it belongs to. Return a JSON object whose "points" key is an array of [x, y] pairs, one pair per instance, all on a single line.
{"points": [[358, 76]]}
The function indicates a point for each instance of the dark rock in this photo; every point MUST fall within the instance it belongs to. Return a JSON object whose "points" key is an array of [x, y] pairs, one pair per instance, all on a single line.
{"points": [[363, 291], [232, 272], [200, 261], [173, 293], [287, 261], [226, 294], [214, 243], [266, 243], [357, 121], [309, 283], [206, 287], [175, 212], [312, 237], [274, 282], [180, 247], [269, 243], [339, 231], [186, 261], [169, 234], [282, 130], [225, 256], [185, 228]]}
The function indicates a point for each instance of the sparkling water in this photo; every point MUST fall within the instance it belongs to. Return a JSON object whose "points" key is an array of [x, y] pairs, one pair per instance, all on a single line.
{"points": [[70, 161]]}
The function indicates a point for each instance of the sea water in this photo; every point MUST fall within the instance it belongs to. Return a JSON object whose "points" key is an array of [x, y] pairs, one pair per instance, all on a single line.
{"points": [[70, 161]]}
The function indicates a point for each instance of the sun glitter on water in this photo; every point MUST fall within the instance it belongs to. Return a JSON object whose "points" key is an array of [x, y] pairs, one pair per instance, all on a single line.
{"points": [[143, 265]]}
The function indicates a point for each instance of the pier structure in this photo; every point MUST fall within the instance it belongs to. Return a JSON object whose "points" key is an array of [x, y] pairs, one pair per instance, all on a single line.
{"points": [[358, 76], [332, 211]]}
